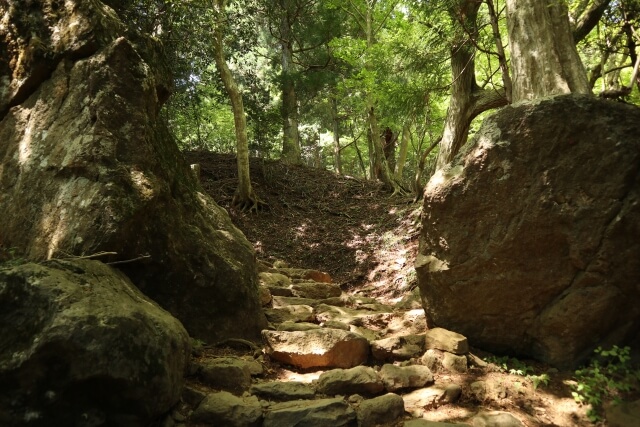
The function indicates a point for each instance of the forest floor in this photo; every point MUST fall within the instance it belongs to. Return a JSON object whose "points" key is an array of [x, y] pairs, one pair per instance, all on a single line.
{"points": [[368, 241]]}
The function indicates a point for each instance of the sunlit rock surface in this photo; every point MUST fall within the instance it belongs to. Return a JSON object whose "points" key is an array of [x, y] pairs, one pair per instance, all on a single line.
{"points": [[530, 242], [87, 166]]}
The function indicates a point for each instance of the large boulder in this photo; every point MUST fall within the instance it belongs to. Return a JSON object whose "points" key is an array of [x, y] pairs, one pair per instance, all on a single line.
{"points": [[531, 237], [87, 166], [80, 345]]}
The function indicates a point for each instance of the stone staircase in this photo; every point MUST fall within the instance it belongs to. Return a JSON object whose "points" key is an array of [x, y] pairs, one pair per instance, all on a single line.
{"points": [[331, 359]]}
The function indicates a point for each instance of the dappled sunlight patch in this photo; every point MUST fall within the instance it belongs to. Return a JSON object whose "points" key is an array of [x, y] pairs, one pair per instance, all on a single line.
{"points": [[308, 377]]}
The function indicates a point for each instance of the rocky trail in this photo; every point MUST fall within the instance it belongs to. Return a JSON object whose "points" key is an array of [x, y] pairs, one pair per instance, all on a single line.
{"points": [[333, 358], [347, 342]]}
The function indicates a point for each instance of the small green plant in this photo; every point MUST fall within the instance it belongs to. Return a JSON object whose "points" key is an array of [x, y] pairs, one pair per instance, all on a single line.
{"points": [[608, 377], [539, 379], [514, 366]]}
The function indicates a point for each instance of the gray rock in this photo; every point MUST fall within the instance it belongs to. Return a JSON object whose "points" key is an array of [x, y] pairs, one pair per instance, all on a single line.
{"points": [[426, 423], [452, 393], [380, 410], [76, 337], [316, 348], [334, 324], [276, 280], [398, 348], [277, 291], [439, 394], [225, 409], [325, 313], [102, 173], [454, 363], [265, 295], [291, 326], [283, 390], [361, 380], [289, 313], [442, 339], [397, 378], [283, 302], [433, 359], [548, 266], [226, 373], [496, 419], [310, 413], [478, 390], [625, 414]]}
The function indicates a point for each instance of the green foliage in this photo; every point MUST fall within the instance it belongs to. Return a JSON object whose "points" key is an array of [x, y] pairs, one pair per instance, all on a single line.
{"points": [[10, 257], [609, 375], [513, 366]]}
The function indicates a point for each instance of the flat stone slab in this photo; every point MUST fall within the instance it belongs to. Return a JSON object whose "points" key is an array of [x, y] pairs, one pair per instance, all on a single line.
{"points": [[442, 339], [316, 348], [496, 419], [226, 373], [297, 326], [358, 380], [380, 410], [310, 413], [325, 313], [427, 423], [225, 409], [280, 302], [397, 378], [291, 313], [283, 390], [398, 348]]}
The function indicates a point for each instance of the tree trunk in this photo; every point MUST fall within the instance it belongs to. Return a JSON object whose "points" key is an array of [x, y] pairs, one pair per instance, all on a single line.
{"points": [[467, 99], [291, 140], [404, 147], [502, 57], [244, 199], [336, 135], [382, 171], [544, 58]]}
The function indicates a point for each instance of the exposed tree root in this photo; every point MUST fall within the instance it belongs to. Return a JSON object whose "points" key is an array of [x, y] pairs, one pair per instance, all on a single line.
{"points": [[238, 342], [250, 203]]}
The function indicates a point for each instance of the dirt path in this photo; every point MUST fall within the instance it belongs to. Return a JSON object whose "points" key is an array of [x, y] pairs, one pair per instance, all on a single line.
{"points": [[367, 243]]}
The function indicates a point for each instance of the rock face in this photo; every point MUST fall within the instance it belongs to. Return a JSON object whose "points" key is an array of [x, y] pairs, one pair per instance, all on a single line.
{"points": [[531, 238], [80, 345], [88, 166]]}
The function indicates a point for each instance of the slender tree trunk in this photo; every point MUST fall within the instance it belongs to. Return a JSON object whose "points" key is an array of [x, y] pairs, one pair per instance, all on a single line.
{"points": [[542, 27], [467, 98], [588, 19], [291, 141], [336, 135], [404, 148], [372, 152], [361, 161], [244, 198], [502, 58], [383, 173], [417, 181], [379, 165]]}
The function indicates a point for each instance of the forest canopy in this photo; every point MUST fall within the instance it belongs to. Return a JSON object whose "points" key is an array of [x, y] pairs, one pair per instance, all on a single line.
{"points": [[383, 89]]}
